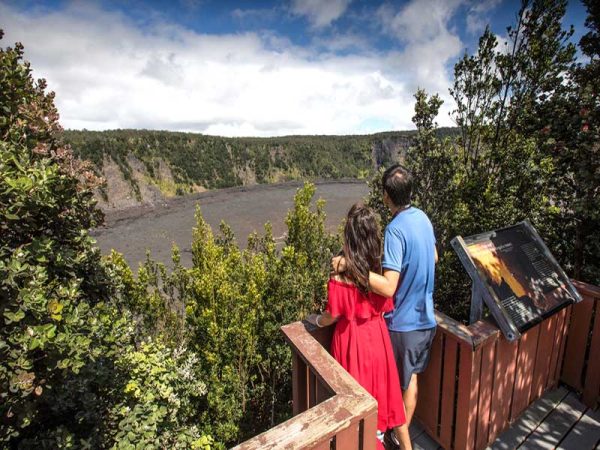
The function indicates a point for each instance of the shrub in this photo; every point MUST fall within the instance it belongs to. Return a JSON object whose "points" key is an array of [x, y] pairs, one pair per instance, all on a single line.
{"points": [[71, 372]]}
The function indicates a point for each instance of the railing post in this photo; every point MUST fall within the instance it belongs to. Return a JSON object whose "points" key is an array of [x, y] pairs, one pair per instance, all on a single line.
{"points": [[468, 389], [299, 385]]}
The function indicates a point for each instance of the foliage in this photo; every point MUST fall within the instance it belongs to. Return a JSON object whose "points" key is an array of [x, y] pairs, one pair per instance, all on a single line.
{"points": [[231, 304], [511, 159], [92, 355], [569, 133], [71, 372], [161, 392]]}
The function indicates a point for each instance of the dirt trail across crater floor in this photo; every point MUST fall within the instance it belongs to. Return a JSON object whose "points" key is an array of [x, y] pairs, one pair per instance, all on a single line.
{"points": [[245, 209]]}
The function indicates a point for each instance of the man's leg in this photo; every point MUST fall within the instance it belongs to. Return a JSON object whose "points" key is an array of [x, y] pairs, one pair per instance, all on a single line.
{"points": [[403, 437], [410, 398]]}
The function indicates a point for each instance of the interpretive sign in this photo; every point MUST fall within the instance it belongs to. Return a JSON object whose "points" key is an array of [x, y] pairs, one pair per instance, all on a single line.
{"points": [[516, 276]]}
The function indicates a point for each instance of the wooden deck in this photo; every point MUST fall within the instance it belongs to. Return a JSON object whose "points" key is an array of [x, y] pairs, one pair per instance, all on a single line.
{"points": [[558, 420]]}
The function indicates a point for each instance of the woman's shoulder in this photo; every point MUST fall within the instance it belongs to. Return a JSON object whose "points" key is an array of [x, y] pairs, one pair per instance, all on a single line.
{"points": [[340, 279]]}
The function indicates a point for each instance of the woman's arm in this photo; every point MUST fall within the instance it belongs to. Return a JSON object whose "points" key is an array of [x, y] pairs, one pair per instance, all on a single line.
{"points": [[322, 320]]}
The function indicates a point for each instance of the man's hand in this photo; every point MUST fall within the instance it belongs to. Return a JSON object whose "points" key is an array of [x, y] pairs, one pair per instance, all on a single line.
{"points": [[338, 264]]}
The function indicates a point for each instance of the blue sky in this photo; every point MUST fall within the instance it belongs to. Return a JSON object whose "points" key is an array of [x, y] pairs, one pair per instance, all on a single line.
{"points": [[259, 68]]}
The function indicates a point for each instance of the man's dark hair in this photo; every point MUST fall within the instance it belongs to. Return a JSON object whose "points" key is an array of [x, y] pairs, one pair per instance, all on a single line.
{"points": [[397, 181]]}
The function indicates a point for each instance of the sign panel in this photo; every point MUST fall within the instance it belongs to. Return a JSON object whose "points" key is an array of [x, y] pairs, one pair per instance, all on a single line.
{"points": [[518, 278]]}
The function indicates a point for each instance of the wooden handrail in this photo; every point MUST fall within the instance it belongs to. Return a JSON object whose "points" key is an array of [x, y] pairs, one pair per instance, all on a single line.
{"points": [[475, 385], [587, 289], [474, 335], [349, 404]]}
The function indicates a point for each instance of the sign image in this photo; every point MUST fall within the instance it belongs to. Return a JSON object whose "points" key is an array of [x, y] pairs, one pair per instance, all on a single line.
{"points": [[517, 274]]}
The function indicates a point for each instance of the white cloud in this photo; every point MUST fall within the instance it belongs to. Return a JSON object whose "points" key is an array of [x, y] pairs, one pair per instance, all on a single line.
{"points": [[429, 46], [340, 42], [418, 20], [109, 73], [320, 13], [478, 15]]}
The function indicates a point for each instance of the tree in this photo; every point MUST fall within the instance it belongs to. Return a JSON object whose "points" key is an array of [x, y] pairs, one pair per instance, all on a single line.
{"points": [[496, 172], [71, 372], [569, 135]]}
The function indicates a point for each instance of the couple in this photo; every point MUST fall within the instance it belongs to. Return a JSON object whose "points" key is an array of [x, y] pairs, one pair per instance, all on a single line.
{"points": [[383, 359]]}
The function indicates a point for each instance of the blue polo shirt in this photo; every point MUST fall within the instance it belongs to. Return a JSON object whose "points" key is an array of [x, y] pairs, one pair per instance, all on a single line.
{"points": [[409, 248]]}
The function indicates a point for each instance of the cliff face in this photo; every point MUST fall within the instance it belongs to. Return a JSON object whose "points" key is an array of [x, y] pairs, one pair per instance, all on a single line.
{"points": [[389, 150], [136, 186]]}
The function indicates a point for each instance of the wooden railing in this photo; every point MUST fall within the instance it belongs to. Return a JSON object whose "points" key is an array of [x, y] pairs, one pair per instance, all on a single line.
{"points": [[331, 410], [581, 367], [477, 383]]}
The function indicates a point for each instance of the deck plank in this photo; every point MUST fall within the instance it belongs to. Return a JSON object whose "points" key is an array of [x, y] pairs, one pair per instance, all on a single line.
{"points": [[585, 434], [415, 430], [529, 420], [425, 442], [558, 423]]}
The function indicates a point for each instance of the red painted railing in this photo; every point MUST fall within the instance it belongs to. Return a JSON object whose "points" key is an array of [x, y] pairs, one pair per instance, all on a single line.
{"points": [[477, 383]]}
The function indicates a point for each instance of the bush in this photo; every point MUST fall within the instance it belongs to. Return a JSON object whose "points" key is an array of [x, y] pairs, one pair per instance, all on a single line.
{"points": [[229, 306], [71, 372]]}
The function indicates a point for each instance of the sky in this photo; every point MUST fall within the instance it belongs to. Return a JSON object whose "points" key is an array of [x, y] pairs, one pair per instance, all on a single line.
{"points": [[251, 68]]}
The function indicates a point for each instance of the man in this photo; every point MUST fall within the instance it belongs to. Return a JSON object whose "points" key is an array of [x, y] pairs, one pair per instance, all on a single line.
{"points": [[409, 259]]}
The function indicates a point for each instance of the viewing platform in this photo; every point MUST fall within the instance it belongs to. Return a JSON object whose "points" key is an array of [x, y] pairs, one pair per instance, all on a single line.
{"points": [[479, 391]]}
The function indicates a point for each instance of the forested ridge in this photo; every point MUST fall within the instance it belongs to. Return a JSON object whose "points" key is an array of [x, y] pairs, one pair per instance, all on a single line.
{"points": [[178, 163]]}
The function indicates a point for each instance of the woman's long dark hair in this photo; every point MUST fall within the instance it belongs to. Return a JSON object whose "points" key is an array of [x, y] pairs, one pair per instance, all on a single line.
{"points": [[362, 245]]}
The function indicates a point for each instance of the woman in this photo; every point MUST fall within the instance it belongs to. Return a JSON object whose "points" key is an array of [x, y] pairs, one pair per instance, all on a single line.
{"points": [[361, 343]]}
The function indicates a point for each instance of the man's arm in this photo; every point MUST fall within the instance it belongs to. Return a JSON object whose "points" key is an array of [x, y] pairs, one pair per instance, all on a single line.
{"points": [[385, 284]]}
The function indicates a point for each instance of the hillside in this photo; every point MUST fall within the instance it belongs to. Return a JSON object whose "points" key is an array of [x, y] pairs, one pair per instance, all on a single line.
{"points": [[145, 167]]}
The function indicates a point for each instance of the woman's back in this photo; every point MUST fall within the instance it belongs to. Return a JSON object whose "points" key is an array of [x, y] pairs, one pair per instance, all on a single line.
{"points": [[361, 344]]}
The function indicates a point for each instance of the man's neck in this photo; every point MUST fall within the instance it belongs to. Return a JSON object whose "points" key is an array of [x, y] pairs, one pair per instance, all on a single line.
{"points": [[395, 210]]}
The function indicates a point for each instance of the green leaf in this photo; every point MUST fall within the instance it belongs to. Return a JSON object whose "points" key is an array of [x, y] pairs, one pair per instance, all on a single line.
{"points": [[34, 343], [14, 317]]}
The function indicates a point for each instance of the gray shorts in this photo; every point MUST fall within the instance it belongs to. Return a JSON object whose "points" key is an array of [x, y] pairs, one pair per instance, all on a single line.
{"points": [[411, 351]]}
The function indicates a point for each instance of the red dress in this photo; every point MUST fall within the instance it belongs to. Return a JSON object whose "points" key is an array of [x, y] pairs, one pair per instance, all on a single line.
{"points": [[361, 344]]}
